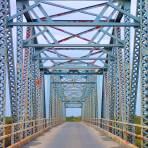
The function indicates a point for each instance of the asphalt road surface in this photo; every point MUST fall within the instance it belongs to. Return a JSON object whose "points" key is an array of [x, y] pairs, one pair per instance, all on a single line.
{"points": [[72, 135]]}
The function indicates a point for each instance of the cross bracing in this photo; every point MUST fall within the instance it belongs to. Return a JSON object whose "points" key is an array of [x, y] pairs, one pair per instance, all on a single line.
{"points": [[74, 42]]}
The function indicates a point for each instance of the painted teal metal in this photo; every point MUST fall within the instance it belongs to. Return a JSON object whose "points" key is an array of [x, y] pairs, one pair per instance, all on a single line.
{"points": [[73, 51]]}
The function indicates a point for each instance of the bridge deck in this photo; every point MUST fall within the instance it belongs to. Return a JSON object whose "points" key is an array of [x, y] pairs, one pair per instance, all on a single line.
{"points": [[73, 135]]}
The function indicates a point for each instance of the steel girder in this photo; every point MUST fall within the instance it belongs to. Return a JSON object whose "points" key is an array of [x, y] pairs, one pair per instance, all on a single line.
{"points": [[56, 105], [110, 89], [11, 71], [70, 73], [113, 86], [119, 106], [120, 84], [113, 71], [127, 63], [3, 47], [19, 63], [39, 90], [30, 9], [144, 66], [134, 78], [70, 23], [50, 99], [27, 76], [106, 97], [90, 105], [135, 73]]}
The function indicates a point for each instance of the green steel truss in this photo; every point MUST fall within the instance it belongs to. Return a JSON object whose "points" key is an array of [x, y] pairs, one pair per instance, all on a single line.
{"points": [[74, 42]]}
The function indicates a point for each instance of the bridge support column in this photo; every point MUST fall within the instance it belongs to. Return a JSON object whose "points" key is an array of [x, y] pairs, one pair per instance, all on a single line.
{"points": [[3, 53], [143, 4]]}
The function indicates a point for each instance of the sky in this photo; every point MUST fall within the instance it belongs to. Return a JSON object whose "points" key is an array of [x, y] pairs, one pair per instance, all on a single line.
{"points": [[75, 112]]}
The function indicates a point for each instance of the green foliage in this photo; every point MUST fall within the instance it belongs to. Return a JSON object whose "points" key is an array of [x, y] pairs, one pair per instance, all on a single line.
{"points": [[73, 119], [137, 120], [8, 120]]}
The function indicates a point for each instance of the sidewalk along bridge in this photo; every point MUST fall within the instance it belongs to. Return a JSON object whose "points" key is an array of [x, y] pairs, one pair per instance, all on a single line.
{"points": [[53, 55]]}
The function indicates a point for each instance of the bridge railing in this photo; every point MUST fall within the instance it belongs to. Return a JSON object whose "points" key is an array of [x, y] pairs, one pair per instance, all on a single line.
{"points": [[17, 134], [130, 133]]}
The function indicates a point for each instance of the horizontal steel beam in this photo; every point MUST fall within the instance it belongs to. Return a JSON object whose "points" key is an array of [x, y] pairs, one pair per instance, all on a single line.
{"points": [[73, 24], [73, 68], [80, 0], [73, 48], [73, 82], [73, 45], [72, 101], [73, 106], [69, 73], [62, 58]]}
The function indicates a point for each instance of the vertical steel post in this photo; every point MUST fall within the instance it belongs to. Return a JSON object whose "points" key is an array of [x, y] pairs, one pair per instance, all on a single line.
{"points": [[11, 70], [19, 65], [144, 66], [3, 47]]}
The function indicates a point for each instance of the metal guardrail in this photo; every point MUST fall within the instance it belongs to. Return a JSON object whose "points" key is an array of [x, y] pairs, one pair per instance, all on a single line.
{"points": [[26, 131], [13, 133], [126, 131]]}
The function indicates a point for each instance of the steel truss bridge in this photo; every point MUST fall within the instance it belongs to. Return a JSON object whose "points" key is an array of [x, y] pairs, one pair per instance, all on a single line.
{"points": [[73, 42]]}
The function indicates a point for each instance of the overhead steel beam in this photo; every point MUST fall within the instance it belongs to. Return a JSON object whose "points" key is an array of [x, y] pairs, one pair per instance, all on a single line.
{"points": [[72, 48], [73, 68], [73, 100], [73, 82], [73, 105], [73, 23], [81, 0], [73, 45], [75, 62], [69, 73], [68, 58]]}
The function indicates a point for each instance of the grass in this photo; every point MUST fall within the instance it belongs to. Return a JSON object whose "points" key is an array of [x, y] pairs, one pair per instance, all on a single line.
{"points": [[73, 119]]}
